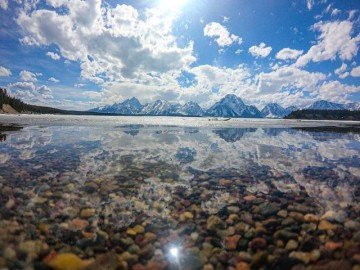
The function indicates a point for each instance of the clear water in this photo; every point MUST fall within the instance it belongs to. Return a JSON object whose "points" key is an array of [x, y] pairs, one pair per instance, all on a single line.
{"points": [[144, 175]]}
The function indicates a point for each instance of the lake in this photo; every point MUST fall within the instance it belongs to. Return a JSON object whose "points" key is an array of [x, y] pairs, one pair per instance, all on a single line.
{"points": [[178, 193]]}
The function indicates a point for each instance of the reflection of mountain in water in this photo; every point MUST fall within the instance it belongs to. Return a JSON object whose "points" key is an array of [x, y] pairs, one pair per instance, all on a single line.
{"points": [[233, 134], [331, 133]]}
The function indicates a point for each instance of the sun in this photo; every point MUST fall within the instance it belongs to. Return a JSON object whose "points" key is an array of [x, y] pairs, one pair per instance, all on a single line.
{"points": [[172, 5]]}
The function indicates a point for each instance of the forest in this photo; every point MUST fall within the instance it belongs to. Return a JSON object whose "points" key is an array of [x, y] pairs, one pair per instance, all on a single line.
{"points": [[325, 115]]}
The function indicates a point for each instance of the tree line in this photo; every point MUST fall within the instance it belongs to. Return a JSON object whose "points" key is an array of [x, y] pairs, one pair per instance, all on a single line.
{"points": [[325, 115]]}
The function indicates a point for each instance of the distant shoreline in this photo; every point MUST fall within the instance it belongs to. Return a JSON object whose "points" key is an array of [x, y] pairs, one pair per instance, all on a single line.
{"points": [[156, 121]]}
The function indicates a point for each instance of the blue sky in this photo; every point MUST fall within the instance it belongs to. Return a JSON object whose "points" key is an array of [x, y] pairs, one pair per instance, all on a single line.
{"points": [[81, 54]]}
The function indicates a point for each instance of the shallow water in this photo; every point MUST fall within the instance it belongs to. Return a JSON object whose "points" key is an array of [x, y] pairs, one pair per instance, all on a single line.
{"points": [[180, 197]]}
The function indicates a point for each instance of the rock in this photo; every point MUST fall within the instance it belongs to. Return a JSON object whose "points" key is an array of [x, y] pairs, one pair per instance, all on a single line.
{"points": [[291, 245], [311, 218], [258, 243], [330, 245], [138, 266], [302, 256], [9, 253], [107, 261], [131, 232], [352, 225], [338, 216], [299, 208], [33, 247], [315, 255], [65, 261], [259, 259], [326, 225], [285, 235], [225, 182], [268, 209], [39, 200], [208, 267], [130, 258], [250, 198], [139, 229], [244, 256], [214, 223], [150, 236], [232, 241], [194, 236], [282, 213], [87, 213], [78, 224], [233, 209], [242, 266]]}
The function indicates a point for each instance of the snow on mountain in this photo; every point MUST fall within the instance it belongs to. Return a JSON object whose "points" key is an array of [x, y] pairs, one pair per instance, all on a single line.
{"points": [[191, 109], [273, 110], [233, 106], [128, 107], [325, 105], [355, 106], [160, 107]]}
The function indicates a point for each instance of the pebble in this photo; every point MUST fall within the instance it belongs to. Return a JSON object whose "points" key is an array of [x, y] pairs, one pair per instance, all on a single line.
{"points": [[232, 241], [87, 213], [326, 225], [302, 256], [291, 245], [66, 261], [242, 266], [282, 213]]}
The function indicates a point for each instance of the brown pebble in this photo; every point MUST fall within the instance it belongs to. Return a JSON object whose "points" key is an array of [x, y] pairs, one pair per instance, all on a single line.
{"points": [[232, 241], [87, 213]]}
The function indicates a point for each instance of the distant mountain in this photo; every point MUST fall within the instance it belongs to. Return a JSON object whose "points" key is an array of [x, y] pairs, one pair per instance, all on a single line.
{"points": [[274, 110], [326, 105], [229, 106], [355, 106], [129, 106], [233, 106], [160, 107]]}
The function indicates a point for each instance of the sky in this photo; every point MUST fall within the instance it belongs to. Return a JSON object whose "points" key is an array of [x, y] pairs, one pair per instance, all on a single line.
{"points": [[81, 54]]}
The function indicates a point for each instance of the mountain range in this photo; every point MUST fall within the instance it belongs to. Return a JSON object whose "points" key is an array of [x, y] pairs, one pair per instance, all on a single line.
{"points": [[229, 106]]}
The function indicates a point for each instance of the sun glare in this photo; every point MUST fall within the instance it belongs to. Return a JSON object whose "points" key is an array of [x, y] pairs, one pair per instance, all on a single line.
{"points": [[172, 4]]}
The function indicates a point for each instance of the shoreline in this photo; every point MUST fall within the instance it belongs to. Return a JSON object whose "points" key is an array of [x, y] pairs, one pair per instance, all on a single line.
{"points": [[178, 121]]}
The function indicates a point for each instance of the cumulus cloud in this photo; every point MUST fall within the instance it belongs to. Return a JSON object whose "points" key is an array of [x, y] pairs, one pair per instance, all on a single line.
{"points": [[221, 35], [335, 40], [341, 71], [288, 78], [28, 76], [4, 72], [288, 53], [4, 4], [110, 43], [355, 72], [54, 80], [53, 55], [29, 92], [336, 91], [260, 51]]}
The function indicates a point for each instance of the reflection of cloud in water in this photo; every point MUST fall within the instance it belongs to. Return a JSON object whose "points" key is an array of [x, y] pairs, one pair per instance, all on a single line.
{"points": [[292, 159]]}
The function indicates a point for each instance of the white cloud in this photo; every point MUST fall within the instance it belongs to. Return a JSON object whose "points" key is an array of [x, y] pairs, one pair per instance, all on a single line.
{"points": [[335, 40], [355, 72], [4, 72], [336, 91], [90, 33], [53, 55], [352, 14], [29, 92], [221, 34], [4, 4], [310, 4], [288, 78], [79, 85], [335, 12], [238, 51], [288, 53], [225, 19], [341, 71], [54, 80], [28, 76], [260, 51]]}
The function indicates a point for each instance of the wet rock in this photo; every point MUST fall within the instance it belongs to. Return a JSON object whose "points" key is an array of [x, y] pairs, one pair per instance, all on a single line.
{"points": [[214, 223], [326, 225], [311, 218], [285, 235], [65, 261], [352, 225], [33, 247], [268, 209], [258, 243], [242, 266], [232, 241], [250, 198], [87, 213], [330, 245], [107, 261], [291, 245], [282, 213], [302, 256], [259, 259]]}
